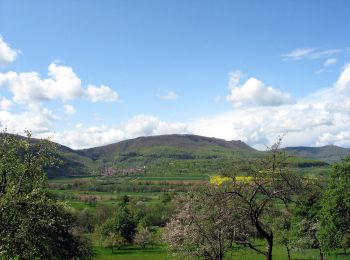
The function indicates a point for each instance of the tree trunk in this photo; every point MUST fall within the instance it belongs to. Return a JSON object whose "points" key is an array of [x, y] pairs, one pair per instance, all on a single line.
{"points": [[345, 251], [267, 235], [288, 252], [321, 254], [269, 247]]}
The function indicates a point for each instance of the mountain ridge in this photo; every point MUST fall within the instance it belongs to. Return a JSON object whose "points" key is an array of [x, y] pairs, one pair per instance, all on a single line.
{"points": [[326, 153], [162, 150]]}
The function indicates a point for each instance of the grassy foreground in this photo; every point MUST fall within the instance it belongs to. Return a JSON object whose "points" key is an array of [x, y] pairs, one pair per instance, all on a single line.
{"points": [[109, 190], [160, 252]]}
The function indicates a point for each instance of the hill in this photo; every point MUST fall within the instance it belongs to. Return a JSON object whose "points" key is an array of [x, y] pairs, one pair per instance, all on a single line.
{"points": [[328, 153], [168, 146], [167, 154]]}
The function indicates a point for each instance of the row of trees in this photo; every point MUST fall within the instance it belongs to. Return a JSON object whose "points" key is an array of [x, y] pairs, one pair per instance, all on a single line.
{"points": [[274, 204]]}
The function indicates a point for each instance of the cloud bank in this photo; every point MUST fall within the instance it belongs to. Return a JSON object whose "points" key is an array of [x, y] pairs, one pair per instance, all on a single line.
{"points": [[319, 119]]}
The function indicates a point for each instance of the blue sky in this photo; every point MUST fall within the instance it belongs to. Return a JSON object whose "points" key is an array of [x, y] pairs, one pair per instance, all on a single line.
{"points": [[230, 69]]}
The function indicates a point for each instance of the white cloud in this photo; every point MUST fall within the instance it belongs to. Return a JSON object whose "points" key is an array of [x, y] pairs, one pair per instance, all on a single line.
{"points": [[62, 84], [170, 95], [36, 118], [87, 136], [318, 119], [341, 138], [144, 125], [7, 55], [254, 92], [102, 93], [343, 83], [310, 53], [234, 79], [330, 61], [69, 109], [297, 54], [5, 104]]}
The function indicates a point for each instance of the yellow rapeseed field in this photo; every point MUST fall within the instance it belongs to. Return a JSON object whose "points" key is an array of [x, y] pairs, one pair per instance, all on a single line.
{"points": [[219, 180]]}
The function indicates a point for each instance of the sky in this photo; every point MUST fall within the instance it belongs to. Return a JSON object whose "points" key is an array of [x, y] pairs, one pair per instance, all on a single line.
{"points": [[88, 73]]}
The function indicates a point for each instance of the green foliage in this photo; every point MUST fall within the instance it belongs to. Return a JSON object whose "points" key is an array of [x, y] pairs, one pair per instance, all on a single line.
{"points": [[35, 227], [32, 224], [335, 209], [22, 164], [123, 222], [305, 222]]}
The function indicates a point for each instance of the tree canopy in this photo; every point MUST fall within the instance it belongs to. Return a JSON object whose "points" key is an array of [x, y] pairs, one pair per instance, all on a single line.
{"points": [[32, 224]]}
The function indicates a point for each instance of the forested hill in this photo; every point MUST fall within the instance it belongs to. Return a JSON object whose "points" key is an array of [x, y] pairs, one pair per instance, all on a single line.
{"points": [[154, 151], [169, 146], [328, 153]]}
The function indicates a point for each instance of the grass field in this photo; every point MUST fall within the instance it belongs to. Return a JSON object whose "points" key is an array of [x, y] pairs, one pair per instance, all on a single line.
{"points": [[160, 252], [133, 253]]}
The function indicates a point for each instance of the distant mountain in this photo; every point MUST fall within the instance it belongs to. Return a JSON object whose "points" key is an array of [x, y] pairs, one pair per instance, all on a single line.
{"points": [[168, 146], [167, 155], [155, 152], [328, 153]]}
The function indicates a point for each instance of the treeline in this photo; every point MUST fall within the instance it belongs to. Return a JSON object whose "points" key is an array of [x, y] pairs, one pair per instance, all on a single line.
{"points": [[116, 187]]}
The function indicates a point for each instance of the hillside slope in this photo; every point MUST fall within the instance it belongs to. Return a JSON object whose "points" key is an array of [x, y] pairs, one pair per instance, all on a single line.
{"points": [[328, 153], [168, 146]]}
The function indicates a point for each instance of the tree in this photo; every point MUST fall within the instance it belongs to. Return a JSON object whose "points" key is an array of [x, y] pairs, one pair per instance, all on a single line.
{"points": [[335, 209], [121, 223], [305, 223], [143, 237], [22, 163], [114, 239], [124, 224], [204, 226], [32, 224], [269, 182]]}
